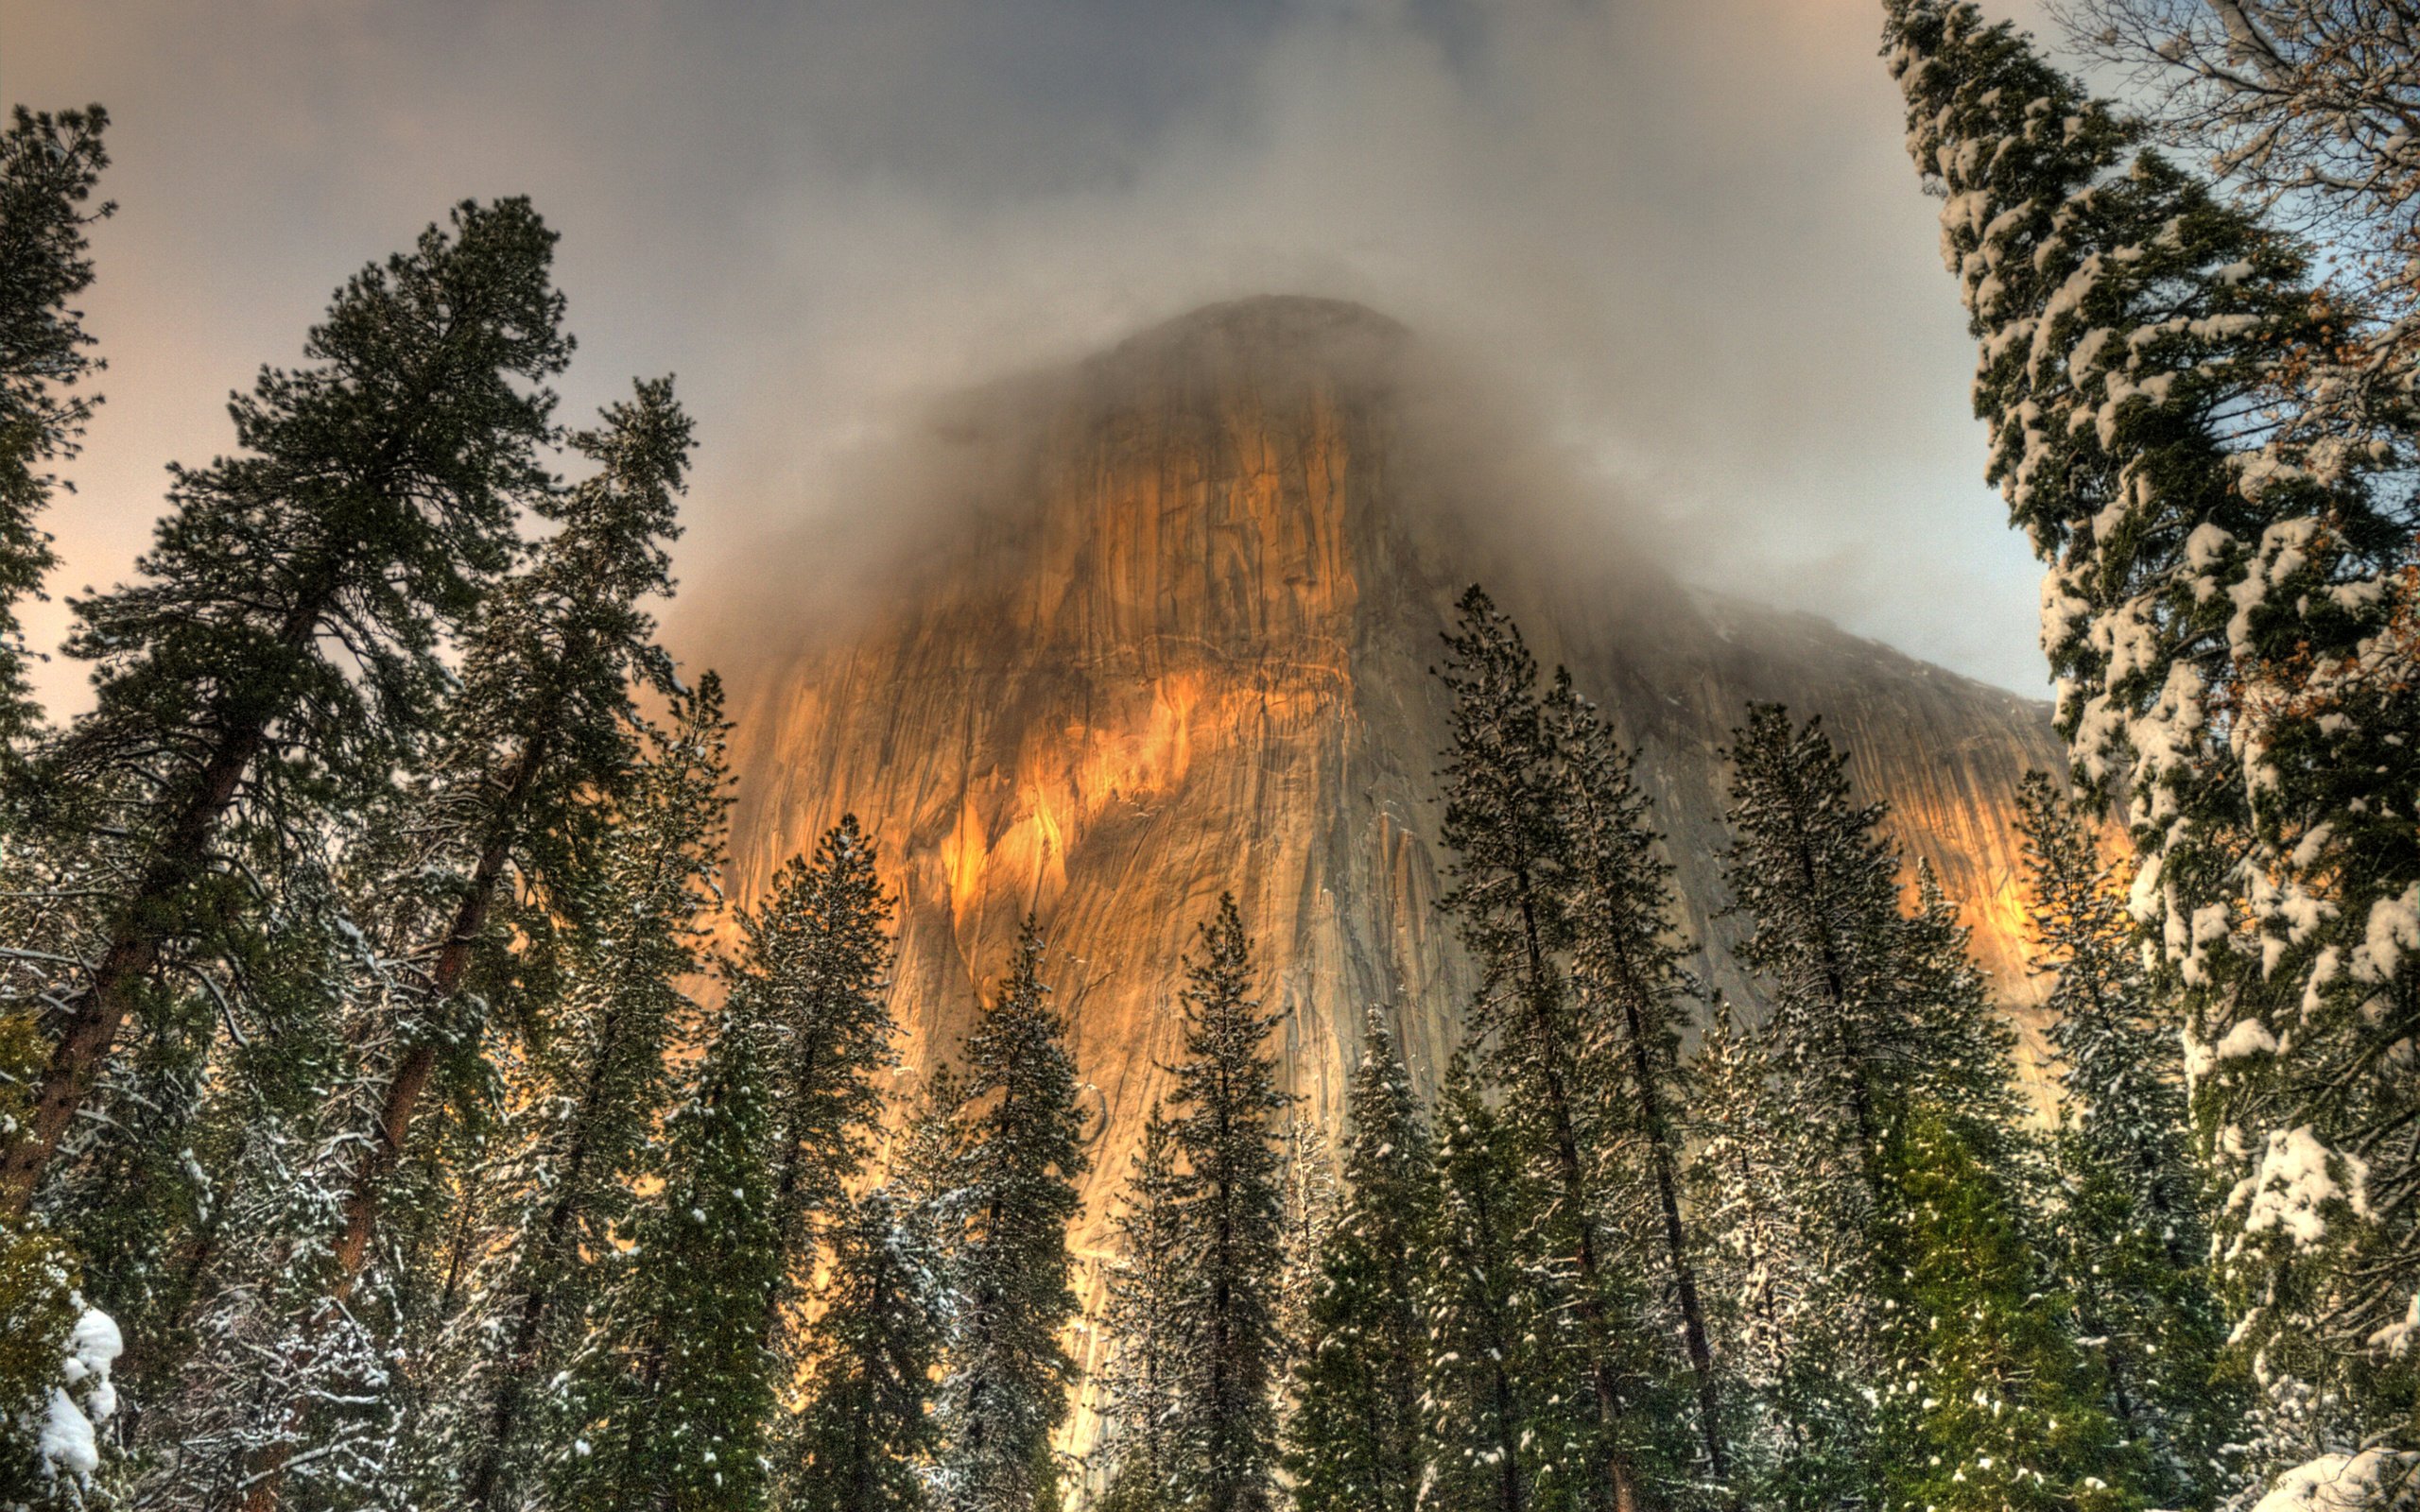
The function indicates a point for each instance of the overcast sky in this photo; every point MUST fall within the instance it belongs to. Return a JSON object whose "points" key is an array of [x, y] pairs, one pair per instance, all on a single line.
{"points": [[1688, 224]]}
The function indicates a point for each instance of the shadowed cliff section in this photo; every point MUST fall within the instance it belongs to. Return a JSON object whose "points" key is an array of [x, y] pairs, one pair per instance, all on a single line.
{"points": [[1171, 635]]}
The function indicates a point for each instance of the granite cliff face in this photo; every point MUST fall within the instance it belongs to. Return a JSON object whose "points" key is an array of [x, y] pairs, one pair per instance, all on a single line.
{"points": [[1175, 641]]}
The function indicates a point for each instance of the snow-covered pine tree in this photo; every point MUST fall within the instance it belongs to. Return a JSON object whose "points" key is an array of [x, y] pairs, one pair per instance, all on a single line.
{"points": [[671, 1404], [811, 970], [48, 165], [1503, 821], [1227, 1103], [1314, 1202], [596, 1083], [1006, 1386], [1356, 1442], [1502, 1435], [1783, 1403], [2233, 608], [244, 1337], [540, 736], [1870, 1012], [1626, 969], [867, 1431], [2129, 1223], [280, 647], [1809, 868], [1994, 1404], [1146, 1319]]}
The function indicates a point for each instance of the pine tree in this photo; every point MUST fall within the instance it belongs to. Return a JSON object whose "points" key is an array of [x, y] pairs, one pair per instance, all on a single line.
{"points": [[1872, 1012], [281, 646], [1994, 1408], [1006, 1389], [1355, 1443], [1503, 821], [812, 970], [1794, 1423], [1996, 1404], [2178, 419], [543, 724], [2134, 1239], [868, 1426], [596, 1084], [1808, 866], [539, 735], [48, 165], [1627, 965], [1313, 1204], [249, 1338], [1501, 1435], [1146, 1318], [1227, 1102], [675, 1394]]}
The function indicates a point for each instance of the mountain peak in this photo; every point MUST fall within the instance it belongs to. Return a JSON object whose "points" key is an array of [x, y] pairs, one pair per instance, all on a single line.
{"points": [[1265, 327]]}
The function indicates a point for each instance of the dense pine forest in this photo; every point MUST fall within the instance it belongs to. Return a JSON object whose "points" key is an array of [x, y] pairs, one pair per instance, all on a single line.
{"points": [[397, 1114]]}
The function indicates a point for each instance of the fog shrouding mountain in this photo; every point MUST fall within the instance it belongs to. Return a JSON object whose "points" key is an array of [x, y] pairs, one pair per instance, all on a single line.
{"points": [[1169, 633], [1690, 219]]}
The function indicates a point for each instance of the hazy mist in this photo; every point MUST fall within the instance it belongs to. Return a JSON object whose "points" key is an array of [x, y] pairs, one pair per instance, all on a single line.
{"points": [[1685, 231]]}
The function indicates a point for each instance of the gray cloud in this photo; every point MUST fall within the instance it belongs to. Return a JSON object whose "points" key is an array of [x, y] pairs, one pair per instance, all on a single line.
{"points": [[1687, 226]]}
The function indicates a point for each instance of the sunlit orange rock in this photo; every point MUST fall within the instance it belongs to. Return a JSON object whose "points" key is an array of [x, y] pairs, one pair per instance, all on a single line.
{"points": [[1176, 641]]}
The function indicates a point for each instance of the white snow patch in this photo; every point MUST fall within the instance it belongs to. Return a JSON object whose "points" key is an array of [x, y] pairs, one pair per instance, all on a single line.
{"points": [[69, 1444], [2247, 1039], [2294, 1186], [2335, 1482], [2394, 1340], [2393, 928]]}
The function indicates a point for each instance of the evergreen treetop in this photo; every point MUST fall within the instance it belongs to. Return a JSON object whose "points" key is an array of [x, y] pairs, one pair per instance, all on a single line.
{"points": [[1014, 1174], [48, 167], [1227, 1101]]}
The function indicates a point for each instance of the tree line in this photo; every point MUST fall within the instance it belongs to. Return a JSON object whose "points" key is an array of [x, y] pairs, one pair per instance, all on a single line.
{"points": [[1828, 1259]]}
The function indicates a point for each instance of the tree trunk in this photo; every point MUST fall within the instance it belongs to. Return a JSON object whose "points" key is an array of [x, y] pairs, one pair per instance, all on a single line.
{"points": [[412, 1079], [1693, 1332], [544, 1274], [142, 928], [1621, 1478]]}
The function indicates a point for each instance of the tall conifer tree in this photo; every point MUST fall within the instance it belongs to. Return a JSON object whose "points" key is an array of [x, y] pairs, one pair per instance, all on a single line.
{"points": [[1356, 1442], [1511, 870], [1146, 1316], [2186, 423], [1006, 1389], [1227, 1102], [280, 647], [867, 1431], [1872, 1012], [2135, 1244], [675, 1397], [598, 1082], [1501, 1433], [1793, 1421], [48, 167], [812, 973], [1627, 965], [544, 725], [1994, 1407]]}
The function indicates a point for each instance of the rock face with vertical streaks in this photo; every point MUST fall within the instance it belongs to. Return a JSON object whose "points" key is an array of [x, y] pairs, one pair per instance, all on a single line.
{"points": [[1176, 641]]}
